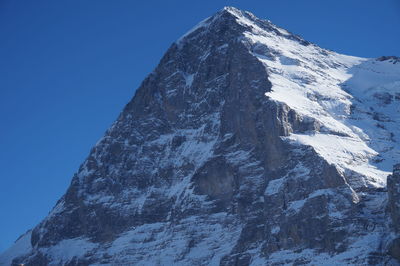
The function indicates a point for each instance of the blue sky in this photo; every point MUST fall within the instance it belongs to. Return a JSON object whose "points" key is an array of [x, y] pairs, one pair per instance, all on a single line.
{"points": [[67, 68]]}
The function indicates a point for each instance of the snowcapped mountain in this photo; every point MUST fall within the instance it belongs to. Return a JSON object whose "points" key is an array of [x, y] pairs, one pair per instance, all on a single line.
{"points": [[247, 145]]}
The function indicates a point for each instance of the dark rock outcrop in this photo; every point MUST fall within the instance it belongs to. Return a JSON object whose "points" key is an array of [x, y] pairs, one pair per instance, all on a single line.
{"points": [[393, 186], [199, 168]]}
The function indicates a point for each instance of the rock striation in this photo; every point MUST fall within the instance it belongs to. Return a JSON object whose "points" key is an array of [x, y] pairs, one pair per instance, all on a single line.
{"points": [[393, 186], [247, 145]]}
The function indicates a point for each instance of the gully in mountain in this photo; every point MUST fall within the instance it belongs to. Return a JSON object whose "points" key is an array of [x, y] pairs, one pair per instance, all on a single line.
{"points": [[247, 145]]}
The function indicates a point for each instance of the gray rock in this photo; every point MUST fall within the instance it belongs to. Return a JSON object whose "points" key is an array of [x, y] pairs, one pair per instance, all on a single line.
{"points": [[197, 170], [393, 185]]}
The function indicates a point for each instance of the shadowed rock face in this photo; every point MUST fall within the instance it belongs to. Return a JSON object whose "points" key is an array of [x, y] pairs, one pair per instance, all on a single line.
{"points": [[393, 185], [197, 169]]}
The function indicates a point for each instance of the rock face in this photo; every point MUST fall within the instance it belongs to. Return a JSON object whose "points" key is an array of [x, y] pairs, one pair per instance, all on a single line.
{"points": [[247, 145], [393, 185]]}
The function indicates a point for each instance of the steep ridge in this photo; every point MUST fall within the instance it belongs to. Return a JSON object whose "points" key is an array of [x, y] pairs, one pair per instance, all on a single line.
{"points": [[246, 145]]}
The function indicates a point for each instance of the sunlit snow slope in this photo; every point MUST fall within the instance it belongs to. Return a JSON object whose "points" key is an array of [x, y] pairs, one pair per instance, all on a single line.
{"points": [[247, 145], [355, 101]]}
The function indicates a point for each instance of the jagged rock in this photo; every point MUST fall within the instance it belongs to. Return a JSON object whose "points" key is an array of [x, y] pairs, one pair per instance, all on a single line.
{"points": [[393, 185], [392, 59], [244, 146]]}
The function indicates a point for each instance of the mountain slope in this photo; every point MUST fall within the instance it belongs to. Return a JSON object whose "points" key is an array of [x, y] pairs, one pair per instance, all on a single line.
{"points": [[246, 145]]}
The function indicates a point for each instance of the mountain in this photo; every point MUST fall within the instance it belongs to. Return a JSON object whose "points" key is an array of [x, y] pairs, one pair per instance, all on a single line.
{"points": [[247, 145]]}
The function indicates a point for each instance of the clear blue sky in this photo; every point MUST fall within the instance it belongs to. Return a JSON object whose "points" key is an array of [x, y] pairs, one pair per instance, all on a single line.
{"points": [[67, 68]]}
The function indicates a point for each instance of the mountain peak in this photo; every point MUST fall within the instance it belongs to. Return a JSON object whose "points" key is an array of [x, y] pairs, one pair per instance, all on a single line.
{"points": [[246, 145], [235, 12], [223, 17], [239, 22], [230, 9]]}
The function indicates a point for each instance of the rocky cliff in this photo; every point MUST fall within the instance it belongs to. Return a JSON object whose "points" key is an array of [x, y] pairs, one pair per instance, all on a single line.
{"points": [[247, 145], [393, 186]]}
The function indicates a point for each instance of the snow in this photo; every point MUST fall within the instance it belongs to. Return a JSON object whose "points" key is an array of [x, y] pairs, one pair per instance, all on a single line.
{"points": [[274, 186], [188, 79], [202, 24], [67, 249], [237, 156], [295, 206], [183, 244], [62, 252], [57, 209], [275, 229], [346, 153], [361, 245], [298, 172], [354, 100], [21, 247], [325, 86]]}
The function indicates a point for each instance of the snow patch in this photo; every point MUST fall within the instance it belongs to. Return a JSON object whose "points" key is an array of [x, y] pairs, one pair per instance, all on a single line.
{"points": [[21, 247]]}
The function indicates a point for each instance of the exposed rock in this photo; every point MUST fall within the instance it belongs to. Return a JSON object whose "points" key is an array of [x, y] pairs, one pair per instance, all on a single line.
{"points": [[393, 185], [241, 147], [392, 59]]}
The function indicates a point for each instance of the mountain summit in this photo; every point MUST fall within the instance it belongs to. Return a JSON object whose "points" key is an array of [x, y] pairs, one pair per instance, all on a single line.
{"points": [[247, 145]]}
